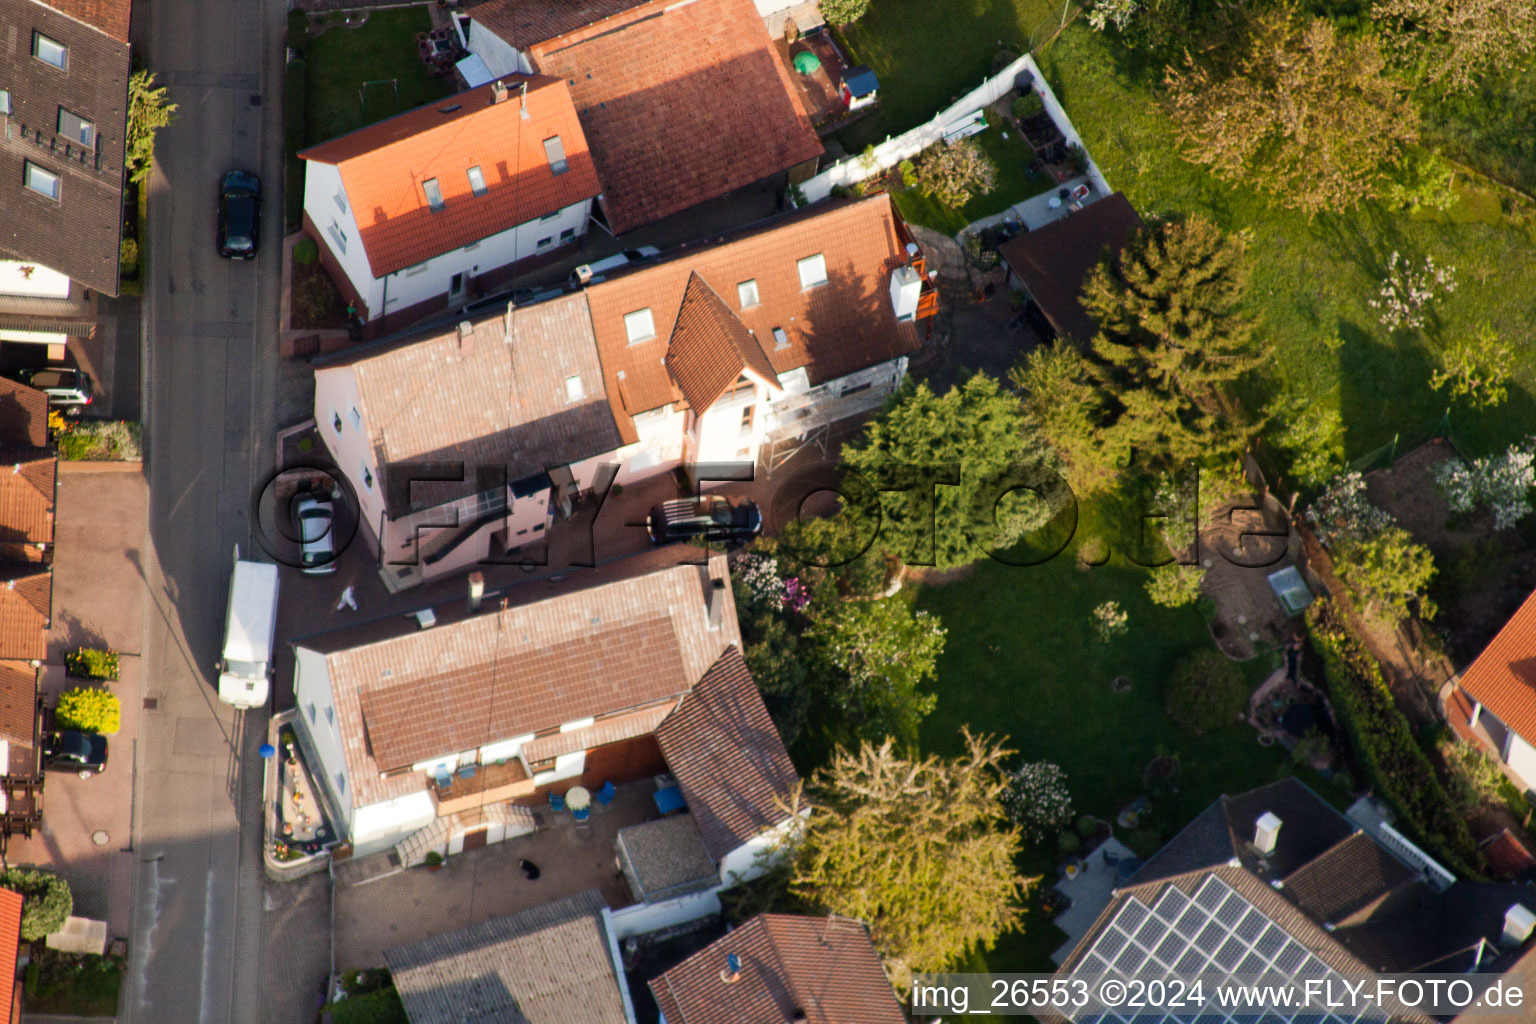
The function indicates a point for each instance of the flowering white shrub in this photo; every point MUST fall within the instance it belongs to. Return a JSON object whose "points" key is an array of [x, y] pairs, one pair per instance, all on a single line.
{"points": [[1500, 483], [1408, 289], [1037, 799], [1110, 621], [1343, 511], [1112, 12]]}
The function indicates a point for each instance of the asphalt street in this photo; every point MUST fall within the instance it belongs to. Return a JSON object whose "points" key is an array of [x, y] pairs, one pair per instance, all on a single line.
{"points": [[210, 374]]}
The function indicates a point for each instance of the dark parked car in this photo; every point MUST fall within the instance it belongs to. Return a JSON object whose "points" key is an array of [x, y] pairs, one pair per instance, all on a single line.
{"points": [[69, 751], [239, 215], [70, 390], [711, 517]]}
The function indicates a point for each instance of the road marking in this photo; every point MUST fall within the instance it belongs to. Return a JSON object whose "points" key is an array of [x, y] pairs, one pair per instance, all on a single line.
{"points": [[202, 1000], [147, 944]]}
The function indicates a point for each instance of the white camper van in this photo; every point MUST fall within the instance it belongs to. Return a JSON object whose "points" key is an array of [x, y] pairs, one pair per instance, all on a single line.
{"points": [[250, 626]]}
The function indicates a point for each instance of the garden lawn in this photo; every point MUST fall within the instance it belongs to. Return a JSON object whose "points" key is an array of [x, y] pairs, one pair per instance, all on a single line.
{"points": [[89, 990], [1311, 280], [925, 62], [1015, 182], [341, 59]]}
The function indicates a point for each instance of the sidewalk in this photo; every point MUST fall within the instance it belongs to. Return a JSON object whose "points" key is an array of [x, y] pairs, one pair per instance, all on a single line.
{"points": [[98, 600]]}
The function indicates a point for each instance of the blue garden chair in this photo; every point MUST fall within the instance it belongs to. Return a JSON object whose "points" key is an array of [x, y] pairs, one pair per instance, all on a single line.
{"points": [[604, 796], [583, 814], [557, 801]]}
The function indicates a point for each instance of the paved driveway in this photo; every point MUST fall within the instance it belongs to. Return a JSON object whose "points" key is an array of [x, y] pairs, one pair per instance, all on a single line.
{"points": [[98, 600]]}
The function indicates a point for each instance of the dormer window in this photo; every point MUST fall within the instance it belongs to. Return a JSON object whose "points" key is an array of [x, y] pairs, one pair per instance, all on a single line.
{"points": [[813, 271], [434, 194], [746, 293], [554, 152], [50, 51], [574, 392], [476, 181], [639, 326]]}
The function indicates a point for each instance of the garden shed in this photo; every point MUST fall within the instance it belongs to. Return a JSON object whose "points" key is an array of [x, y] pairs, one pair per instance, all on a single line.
{"points": [[859, 87], [1050, 264]]}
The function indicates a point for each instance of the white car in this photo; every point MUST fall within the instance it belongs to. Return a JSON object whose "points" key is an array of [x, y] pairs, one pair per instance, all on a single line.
{"points": [[317, 533]]}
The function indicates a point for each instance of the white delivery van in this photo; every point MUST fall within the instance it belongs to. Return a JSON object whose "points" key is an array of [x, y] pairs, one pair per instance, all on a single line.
{"points": [[250, 627]]}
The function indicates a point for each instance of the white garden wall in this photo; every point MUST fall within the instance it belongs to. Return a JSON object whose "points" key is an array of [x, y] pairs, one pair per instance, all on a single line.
{"points": [[907, 145]]}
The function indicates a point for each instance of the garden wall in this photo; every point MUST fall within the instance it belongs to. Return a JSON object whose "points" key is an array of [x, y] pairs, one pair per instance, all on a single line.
{"points": [[643, 918], [894, 150]]}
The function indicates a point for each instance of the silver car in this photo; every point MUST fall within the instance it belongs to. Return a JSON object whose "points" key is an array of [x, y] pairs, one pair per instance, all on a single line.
{"points": [[317, 545]]}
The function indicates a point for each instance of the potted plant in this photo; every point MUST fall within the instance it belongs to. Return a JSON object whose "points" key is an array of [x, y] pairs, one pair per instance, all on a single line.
{"points": [[434, 861]]}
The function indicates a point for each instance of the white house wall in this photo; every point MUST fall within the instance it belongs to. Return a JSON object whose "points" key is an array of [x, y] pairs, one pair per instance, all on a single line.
{"points": [[644, 918], [350, 446], [753, 858], [32, 280], [336, 226], [382, 825], [317, 718], [501, 58], [434, 278], [1521, 758]]}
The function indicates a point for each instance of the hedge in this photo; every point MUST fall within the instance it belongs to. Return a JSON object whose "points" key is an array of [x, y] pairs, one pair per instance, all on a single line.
{"points": [[1400, 772], [92, 663], [295, 104]]}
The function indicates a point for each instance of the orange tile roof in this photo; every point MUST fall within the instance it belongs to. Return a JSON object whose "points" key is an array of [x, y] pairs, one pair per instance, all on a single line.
{"points": [[832, 329], [825, 967], [26, 501], [384, 165], [710, 347], [26, 604], [10, 933], [681, 102], [1503, 678], [18, 705]]}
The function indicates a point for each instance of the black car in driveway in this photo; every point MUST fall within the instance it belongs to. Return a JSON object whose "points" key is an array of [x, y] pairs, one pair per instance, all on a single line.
{"points": [[711, 517], [239, 215], [84, 753]]}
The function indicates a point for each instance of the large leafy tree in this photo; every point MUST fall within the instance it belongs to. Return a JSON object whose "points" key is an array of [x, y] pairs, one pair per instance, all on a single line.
{"points": [[1454, 42], [149, 110], [1387, 572], [881, 655], [1065, 408], [920, 848], [46, 900], [842, 12], [1296, 108], [1172, 340], [975, 433]]}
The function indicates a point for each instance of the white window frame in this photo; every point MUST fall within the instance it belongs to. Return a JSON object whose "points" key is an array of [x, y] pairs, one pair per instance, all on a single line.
{"points": [[32, 171], [418, 268], [338, 236], [477, 180], [366, 475], [434, 193], [341, 198], [545, 242], [40, 45], [5, 101], [812, 271], [569, 234], [574, 392], [639, 326], [746, 294], [554, 152], [357, 419]]}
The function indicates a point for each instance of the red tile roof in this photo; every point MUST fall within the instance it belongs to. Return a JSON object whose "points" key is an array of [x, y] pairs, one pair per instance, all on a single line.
{"points": [[1507, 856], [1503, 678], [728, 757], [710, 347], [825, 967], [384, 165], [110, 16], [26, 603], [831, 330], [681, 102], [23, 415]]}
